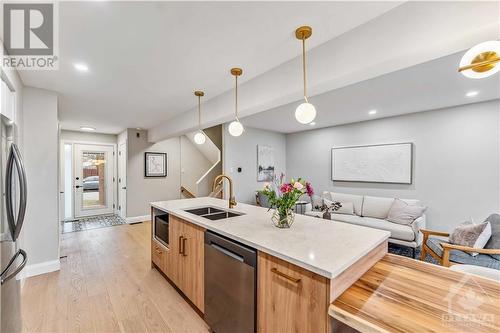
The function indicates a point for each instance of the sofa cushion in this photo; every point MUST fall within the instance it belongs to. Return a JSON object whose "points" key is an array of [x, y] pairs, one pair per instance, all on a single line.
{"points": [[462, 257], [345, 208], [494, 242], [377, 207], [357, 200], [398, 231], [402, 212], [353, 219]]}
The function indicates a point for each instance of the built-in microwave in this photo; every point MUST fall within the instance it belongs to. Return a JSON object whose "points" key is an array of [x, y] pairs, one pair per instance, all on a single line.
{"points": [[161, 229]]}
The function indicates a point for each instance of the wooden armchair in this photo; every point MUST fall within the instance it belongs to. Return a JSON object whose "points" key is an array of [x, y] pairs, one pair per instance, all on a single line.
{"points": [[444, 259]]}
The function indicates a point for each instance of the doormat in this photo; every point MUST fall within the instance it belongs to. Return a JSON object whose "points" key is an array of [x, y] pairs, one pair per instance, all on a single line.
{"points": [[94, 222]]}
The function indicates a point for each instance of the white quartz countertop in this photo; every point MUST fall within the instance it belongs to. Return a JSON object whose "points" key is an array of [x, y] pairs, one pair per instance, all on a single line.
{"points": [[323, 247]]}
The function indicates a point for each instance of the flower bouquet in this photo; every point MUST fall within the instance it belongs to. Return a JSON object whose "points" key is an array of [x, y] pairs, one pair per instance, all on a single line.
{"points": [[283, 196]]}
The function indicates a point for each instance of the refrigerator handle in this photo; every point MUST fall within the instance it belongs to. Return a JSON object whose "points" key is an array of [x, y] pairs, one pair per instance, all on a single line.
{"points": [[15, 160], [19, 268]]}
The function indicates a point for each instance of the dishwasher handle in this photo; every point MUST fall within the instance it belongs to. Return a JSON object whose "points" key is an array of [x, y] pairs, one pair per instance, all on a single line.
{"points": [[231, 248], [227, 252]]}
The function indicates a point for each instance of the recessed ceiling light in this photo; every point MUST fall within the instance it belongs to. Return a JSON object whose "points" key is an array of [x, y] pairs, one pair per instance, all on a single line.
{"points": [[372, 112], [81, 67], [472, 93], [87, 128], [312, 123]]}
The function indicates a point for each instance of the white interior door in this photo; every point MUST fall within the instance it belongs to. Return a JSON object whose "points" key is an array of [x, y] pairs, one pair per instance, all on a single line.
{"points": [[122, 180], [93, 179]]}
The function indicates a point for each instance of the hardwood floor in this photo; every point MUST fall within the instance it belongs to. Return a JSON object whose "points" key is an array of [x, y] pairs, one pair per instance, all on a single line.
{"points": [[106, 284]]}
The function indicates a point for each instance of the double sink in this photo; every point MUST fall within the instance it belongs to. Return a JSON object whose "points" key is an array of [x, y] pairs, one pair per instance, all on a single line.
{"points": [[212, 213]]}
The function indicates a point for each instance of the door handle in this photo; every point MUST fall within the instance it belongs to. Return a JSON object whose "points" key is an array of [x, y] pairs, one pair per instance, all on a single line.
{"points": [[14, 159], [124, 188], [17, 270], [184, 239], [180, 244], [283, 275]]}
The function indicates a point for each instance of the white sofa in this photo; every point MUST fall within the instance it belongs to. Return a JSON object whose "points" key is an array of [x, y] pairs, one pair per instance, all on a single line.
{"points": [[372, 212]]}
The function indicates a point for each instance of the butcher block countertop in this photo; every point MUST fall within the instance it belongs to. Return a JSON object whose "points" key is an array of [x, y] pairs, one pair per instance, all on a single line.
{"points": [[403, 295]]}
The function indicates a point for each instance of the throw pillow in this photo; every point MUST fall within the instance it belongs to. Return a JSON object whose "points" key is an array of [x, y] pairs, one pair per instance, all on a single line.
{"points": [[404, 213], [494, 242], [347, 208], [471, 235]]}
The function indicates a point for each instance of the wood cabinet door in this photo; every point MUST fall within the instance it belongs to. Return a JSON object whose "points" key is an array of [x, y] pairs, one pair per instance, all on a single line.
{"points": [[158, 254], [173, 262], [290, 298], [192, 258]]}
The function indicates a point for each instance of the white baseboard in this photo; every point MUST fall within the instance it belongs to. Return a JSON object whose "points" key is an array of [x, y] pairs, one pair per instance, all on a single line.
{"points": [[41, 268], [135, 219]]}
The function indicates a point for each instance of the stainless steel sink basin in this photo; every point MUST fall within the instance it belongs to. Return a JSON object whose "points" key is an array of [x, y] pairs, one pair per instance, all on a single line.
{"points": [[212, 213], [203, 210]]}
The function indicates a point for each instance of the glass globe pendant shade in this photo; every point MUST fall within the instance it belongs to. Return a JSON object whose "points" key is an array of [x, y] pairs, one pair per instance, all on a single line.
{"points": [[305, 113], [235, 128], [199, 138]]}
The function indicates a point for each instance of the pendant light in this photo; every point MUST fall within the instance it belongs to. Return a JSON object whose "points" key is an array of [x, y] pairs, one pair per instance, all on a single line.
{"points": [[481, 61], [199, 137], [305, 112], [235, 127]]}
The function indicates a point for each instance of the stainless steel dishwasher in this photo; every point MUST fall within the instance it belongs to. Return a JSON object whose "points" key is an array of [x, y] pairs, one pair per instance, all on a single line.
{"points": [[230, 285]]}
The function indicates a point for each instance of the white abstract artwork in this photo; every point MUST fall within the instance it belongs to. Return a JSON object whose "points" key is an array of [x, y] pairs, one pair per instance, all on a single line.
{"points": [[388, 163], [265, 163]]}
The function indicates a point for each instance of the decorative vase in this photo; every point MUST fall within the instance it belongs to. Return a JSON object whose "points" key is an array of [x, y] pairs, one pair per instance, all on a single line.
{"points": [[327, 215], [284, 220]]}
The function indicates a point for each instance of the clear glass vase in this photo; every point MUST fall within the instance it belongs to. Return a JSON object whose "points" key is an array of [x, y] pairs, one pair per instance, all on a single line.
{"points": [[283, 220]]}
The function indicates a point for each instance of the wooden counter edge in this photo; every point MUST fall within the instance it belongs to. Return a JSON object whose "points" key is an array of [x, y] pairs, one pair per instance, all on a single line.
{"points": [[352, 274]]}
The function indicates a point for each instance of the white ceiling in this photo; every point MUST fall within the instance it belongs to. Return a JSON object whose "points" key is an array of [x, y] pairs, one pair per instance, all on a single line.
{"points": [[431, 85], [146, 58]]}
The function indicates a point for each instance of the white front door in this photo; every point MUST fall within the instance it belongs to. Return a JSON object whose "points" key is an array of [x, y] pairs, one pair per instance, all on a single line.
{"points": [[122, 180], [93, 179]]}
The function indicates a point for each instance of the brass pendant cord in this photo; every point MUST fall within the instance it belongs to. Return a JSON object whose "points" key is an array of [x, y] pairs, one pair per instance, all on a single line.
{"points": [[236, 97], [304, 67], [199, 112]]}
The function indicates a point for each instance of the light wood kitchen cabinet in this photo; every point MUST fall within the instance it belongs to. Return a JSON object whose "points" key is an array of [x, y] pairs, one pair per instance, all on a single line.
{"points": [[290, 298], [192, 264], [158, 254], [184, 259]]}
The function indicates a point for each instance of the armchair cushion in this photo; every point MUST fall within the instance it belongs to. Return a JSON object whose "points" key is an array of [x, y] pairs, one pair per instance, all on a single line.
{"points": [[461, 257], [494, 242], [471, 235]]}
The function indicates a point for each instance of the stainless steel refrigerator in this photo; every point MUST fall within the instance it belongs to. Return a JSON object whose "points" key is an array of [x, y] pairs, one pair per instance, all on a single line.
{"points": [[12, 210]]}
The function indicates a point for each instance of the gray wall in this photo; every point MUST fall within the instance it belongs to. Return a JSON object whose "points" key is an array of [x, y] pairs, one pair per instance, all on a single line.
{"points": [[193, 165], [88, 137], [141, 190], [456, 159], [242, 152], [41, 228]]}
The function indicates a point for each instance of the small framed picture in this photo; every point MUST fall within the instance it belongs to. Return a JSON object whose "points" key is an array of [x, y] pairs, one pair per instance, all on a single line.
{"points": [[155, 164]]}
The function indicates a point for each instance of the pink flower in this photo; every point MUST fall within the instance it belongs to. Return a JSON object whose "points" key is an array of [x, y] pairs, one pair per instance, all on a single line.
{"points": [[309, 189], [298, 186], [286, 188]]}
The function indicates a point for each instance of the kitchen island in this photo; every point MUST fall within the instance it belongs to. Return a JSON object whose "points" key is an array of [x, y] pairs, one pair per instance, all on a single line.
{"points": [[300, 270]]}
